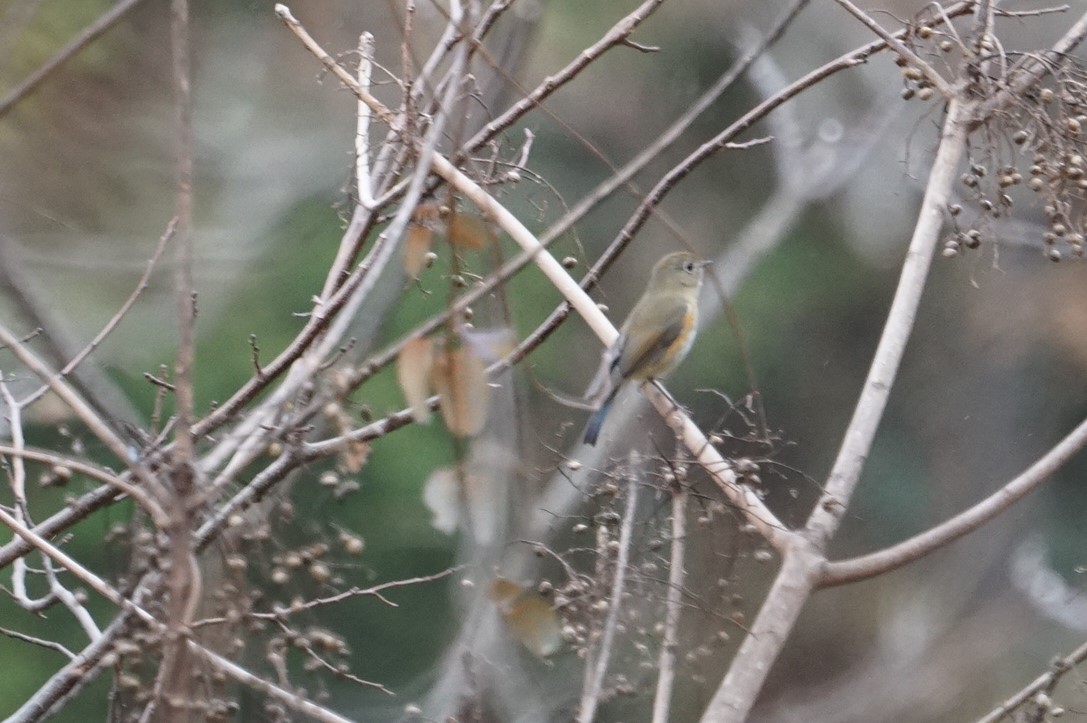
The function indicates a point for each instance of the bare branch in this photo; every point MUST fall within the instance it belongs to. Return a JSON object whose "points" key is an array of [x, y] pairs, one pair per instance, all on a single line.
{"points": [[666, 665], [173, 684], [72, 513], [83, 669], [907, 551], [931, 75], [98, 426], [141, 286], [798, 575], [615, 36], [51, 645], [86, 36], [596, 666], [881, 376], [1042, 684], [362, 131]]}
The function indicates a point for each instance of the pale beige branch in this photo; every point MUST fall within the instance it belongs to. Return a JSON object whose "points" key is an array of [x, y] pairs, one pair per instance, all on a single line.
{"points": [[803, 561], [907, 551], [1041, 684], [98, 427]]}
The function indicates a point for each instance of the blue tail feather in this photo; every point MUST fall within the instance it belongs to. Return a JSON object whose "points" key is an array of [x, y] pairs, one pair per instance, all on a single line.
{"points": [[592, 429]]}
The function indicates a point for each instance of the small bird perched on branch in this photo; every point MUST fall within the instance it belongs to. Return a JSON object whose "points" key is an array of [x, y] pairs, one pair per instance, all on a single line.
{"points": [[655, 337]]}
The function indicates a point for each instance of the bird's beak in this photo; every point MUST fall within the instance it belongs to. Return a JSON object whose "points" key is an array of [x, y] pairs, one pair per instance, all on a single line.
{"points": [[704, 263]]}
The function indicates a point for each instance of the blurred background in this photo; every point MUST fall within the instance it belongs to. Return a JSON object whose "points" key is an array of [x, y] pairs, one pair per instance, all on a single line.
{"points": [[993, 375]]}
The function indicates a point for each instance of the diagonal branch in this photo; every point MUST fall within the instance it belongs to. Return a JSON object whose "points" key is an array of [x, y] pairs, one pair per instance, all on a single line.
{"points": [[1043, 683], [857, 442], [98, 426], [1031, 69], [87, 36], [618, 32], [106, 330], [292, 700], [876, 563], [899, 47]]}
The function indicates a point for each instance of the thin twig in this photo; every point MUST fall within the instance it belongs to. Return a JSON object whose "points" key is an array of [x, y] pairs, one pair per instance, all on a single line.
{"points": [[930, 73], [666, 662], [72, 602], [98, 427], [1042, 683], [141, 286], [81, 670], [18, 492], [614, 36], [50, 644], [86, 36], [598, 669]]}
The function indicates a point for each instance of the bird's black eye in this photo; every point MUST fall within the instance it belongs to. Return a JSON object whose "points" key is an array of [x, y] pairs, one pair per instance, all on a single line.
{"points": [[688, 266]]}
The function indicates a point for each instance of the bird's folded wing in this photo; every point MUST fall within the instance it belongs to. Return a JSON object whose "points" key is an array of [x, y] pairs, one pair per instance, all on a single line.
{"points": [[650, 339]]}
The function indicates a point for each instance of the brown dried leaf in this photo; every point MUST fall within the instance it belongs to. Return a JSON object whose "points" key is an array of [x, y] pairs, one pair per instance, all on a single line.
{"points": [[460, 380], [528, 615], [416, 247], [428, 214], [502, 592], [470, 232], [413, 372]]}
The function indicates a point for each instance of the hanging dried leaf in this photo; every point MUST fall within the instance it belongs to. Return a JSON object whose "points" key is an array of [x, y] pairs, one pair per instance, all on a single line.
{"points": [[429, 214], [502, 592], [528, 615], [416, 247], [460, 380], [468, 231], [413, 371]]}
